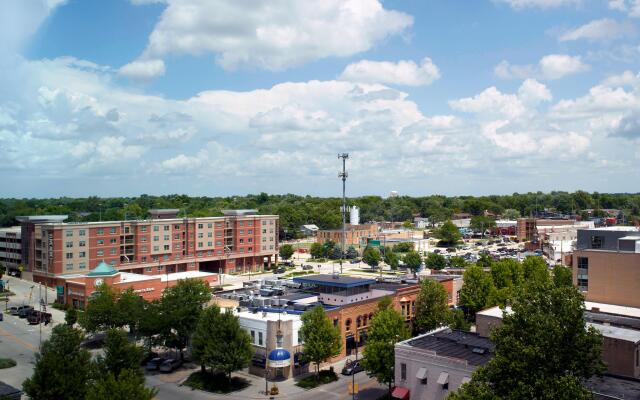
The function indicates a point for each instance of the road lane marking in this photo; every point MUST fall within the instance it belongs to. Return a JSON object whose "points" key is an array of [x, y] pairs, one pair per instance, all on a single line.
{"points": [[17, 340]]}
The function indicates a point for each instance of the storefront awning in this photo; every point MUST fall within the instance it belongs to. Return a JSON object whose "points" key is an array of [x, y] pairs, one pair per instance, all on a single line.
{"points": [[443, 379], [422, 373], [400, 393]]}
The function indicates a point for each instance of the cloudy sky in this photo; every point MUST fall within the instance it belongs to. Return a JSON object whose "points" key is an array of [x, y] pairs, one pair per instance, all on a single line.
{"points": [[220, 97]]}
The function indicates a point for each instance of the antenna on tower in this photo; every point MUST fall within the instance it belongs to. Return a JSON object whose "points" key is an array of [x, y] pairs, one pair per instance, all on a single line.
{"points": [[343, 175]]}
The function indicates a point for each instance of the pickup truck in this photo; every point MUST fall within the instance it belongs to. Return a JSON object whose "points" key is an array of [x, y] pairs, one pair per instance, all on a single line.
{"points": [[37, 317]]}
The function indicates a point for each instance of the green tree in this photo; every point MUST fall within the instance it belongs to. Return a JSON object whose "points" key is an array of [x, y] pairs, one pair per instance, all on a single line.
{"points": [[543, 349], [413, 261], [407, 224], [458, 321], [511, 214], [448, 234], [220, 343], [403, 247], [480, 223], [457, 262], [321, 339], [387, 328], [286, 251], [128, 386], [476, 289], [351, 253], [535, 269], [131, 307], [102, 311], [435, 261], [371, 257], [316, 250], [119, 354], [432, 308], [71, 316], [153, 324], [485, 261], [62, 369], [181, 307], [562, 276], [385, 303], [391, 259]]}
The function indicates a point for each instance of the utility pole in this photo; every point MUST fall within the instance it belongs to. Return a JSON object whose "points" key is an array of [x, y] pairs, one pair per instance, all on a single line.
{"points": [[344, 176]]}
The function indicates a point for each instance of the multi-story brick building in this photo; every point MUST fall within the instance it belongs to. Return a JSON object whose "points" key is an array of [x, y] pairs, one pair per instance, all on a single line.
{"points": [[606, 265], [239, 241], [10, 248], [355, 235]]}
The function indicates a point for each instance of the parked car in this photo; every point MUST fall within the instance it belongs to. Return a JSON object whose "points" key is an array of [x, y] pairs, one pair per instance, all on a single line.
{"points": [[13, 310], [307, 267], [24, 311], [352, 367], [95, 341], [280, 270], [355, 261], [170, 365], [37, 317], [154, 364]]}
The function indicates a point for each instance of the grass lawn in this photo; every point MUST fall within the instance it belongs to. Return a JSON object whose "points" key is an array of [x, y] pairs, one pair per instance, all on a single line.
{"points": [[299, 273], [7, 363], [309, 382], [215, 383]]}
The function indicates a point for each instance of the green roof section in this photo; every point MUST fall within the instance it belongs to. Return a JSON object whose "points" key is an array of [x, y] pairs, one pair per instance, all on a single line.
{"points": [[102, 269]]}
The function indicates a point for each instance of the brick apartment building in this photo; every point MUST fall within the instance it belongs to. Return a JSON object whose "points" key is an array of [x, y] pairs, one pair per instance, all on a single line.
{"points": [[606, 265], [527, 228], [239, 241]]}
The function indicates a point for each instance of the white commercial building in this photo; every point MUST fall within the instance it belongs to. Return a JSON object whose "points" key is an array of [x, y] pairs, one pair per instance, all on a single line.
{"points": [[10, 248]]}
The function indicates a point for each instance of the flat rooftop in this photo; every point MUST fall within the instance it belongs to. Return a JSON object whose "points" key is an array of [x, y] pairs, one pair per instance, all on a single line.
{"points": [[494, 312], [41, 218], [609, 387], [613, 309], [268, 316], [11, 229], [626, 334], [459, 345], [334, 280]]}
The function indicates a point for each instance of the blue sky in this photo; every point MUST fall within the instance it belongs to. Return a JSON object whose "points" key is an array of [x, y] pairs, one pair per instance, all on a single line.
{"points": [[218, 97]]}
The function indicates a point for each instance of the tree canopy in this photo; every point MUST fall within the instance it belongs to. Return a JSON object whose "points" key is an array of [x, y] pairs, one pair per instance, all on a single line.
{"points": [[321, 339], [544, 350], [432, 308], [371, 256], [435, 261], [413, 261], [476, 289], [286, 251], [448, 234]]}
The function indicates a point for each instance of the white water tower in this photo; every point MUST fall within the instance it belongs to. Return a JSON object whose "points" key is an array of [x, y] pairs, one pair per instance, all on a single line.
{"points": [[354, 215]]}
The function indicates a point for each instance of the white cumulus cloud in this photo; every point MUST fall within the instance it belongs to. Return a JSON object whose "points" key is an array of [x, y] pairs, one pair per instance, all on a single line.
{"points": [[143, 69], [631, 7], [404, 72], [272, 35], [550, 67], [544, 4]]}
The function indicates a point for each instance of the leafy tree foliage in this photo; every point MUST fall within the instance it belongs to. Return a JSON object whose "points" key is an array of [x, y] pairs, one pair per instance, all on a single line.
{"points": [[535, 269], [485, 261], [435, 261], [480, 223], [432, 308], [562, 276], [286, 251], [413, 261], [543, 349], [476, 289], [511, 214], [351, 253], [457, 262], [102, 310], [448, 234], [220, 343], [387, 328], [181, 307], [391, 259], [62, 369], [119, 355], [316, 250], [458, 321], [321, 339], [371, 257], [127, 386], [71, 316], [403, 247], [130, 307]]}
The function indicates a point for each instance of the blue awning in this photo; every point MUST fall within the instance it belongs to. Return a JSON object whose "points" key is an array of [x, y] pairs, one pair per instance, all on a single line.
{"points": [[279, 355]]}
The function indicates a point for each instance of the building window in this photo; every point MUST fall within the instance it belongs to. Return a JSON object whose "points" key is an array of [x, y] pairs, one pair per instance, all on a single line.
{"points": [[177, 246], [113, 241], [347, 324], [68, 244], [82, 254], [112, 231], [166, 247], [143, 238], [597, 242], [112, 252], [259, 338], [242, 231], [149, 269], [69, 256], [264, 222], [156, 248], [200, 235], [100, 231], [143, 229], [82, 243], [209, 225], [176, 237], [583, 263], [241, 241], [82, 232], [219, 243], [218, 225], [403, 371], [199, 244], [82, 265], [100, 253], [69, 266], [166, 227], [200, 226], [160, 267], [156, 228], [100, 242], [250, 249], [68, 233], [176, 227], [250, 232], [209, 234], [209, 244], [218, 234], [156, 238], [253, 336], [167, 237]]}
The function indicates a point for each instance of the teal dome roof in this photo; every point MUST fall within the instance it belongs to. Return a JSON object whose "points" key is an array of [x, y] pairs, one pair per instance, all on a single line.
{"points": [[102, 269]]}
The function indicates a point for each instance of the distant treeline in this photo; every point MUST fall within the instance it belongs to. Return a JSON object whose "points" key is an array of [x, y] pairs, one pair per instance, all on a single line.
{"points": [[296, 210]]}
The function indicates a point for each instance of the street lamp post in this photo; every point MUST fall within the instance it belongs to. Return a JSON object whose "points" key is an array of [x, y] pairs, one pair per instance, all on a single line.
{"points": [[343, 175]]}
